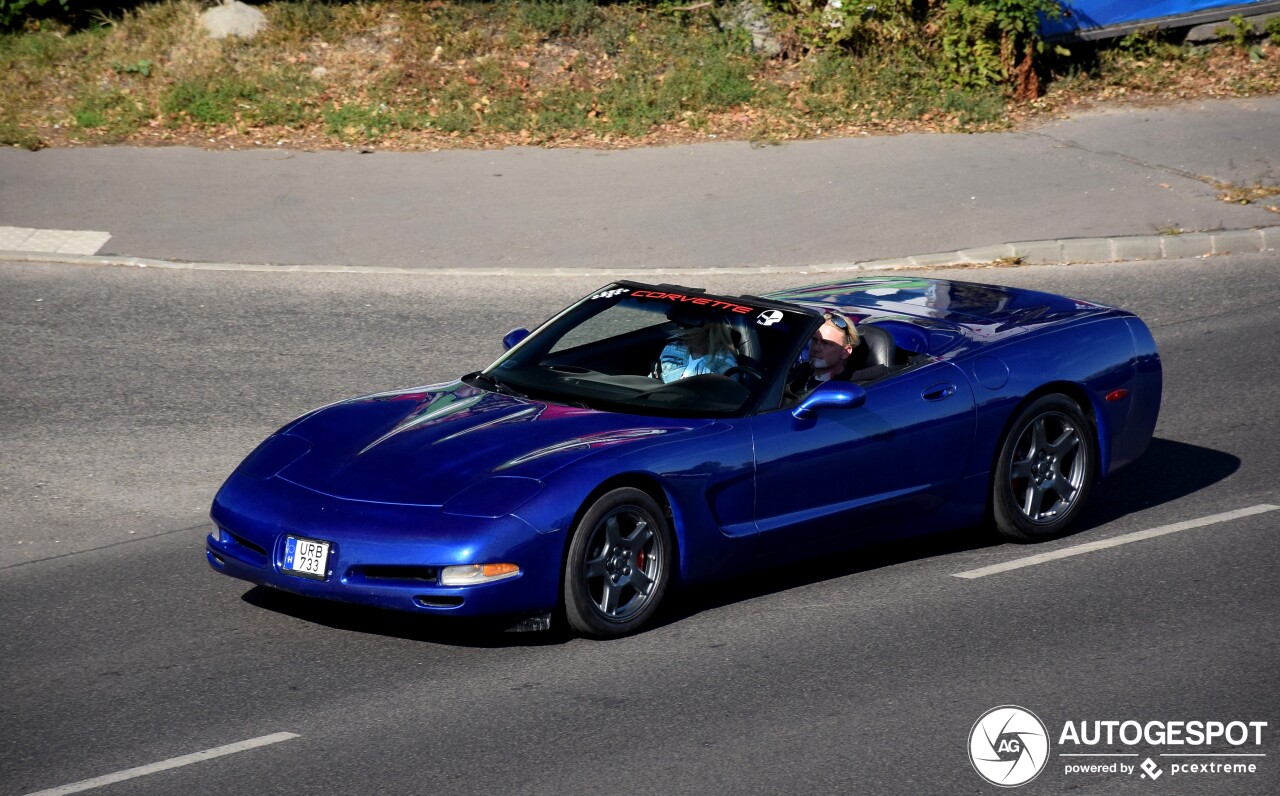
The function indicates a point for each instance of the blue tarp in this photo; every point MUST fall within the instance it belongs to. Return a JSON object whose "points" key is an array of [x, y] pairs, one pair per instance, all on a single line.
{"points": [[1084, 15]]}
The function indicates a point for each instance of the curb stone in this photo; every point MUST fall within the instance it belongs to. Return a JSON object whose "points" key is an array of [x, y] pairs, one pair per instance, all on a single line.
{"points": [[1066, 251]]}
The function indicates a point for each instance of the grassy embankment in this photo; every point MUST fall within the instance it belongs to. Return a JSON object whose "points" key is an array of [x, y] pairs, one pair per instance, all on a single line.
{"points": [[415, 75]]}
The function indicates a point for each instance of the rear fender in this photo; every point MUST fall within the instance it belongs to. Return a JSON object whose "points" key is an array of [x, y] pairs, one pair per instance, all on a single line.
{"points": [[1144, 396], [1093, 360]]}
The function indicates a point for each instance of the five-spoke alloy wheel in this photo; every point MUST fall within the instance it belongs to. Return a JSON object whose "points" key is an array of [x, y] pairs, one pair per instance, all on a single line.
{"points": [[619, 564], [1046, 465]]}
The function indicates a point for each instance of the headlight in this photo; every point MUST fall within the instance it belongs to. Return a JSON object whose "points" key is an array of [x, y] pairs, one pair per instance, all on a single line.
{"points": [[496, 496], [471, 574]]}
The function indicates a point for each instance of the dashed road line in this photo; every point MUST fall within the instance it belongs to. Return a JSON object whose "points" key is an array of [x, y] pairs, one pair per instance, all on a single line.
{"points": [[165, 765], [1116, 541], [52, 241]]}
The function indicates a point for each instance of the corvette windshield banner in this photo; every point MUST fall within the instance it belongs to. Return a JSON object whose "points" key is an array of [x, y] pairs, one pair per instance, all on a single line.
{"points": [[696, 300]]}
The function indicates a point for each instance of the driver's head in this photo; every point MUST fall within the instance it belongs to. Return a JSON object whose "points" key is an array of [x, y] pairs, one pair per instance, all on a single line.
{"points": [[832, 342]]}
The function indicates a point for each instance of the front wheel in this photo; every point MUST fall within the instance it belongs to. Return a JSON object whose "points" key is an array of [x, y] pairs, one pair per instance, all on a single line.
{"points": [[619, 564], [1047, 463]]}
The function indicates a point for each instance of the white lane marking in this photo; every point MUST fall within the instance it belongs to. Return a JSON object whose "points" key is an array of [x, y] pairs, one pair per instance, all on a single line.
{"points": [[1116, 541], [164, 765], [53, 241]]}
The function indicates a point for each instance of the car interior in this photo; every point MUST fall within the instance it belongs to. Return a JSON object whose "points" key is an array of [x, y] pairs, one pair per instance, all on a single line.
{"points": [[613, 358]]}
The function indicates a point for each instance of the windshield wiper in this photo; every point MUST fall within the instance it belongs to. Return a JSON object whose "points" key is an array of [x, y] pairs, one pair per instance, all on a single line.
{"points": [[496, 385]]}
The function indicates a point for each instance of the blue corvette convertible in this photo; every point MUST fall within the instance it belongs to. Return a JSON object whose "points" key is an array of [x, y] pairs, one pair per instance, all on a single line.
{"points": [[576, 477]]}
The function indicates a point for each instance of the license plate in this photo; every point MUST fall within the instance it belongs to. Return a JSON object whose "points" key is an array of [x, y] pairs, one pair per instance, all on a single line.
{"points": [[306, 557]]}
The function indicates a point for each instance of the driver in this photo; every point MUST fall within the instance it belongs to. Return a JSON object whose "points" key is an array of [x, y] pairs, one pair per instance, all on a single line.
{"points": [[701, 345], [829, 350]]}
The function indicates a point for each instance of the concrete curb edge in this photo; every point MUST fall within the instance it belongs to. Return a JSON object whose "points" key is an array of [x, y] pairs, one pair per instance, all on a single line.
{"points": [[1063, 251]]}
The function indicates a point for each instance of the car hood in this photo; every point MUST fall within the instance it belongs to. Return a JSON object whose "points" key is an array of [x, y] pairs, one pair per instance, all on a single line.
{"points": [[423, 446]]}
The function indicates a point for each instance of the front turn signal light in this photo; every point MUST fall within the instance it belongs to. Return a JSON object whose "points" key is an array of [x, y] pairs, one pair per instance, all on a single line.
{"points": [[470, 574]]}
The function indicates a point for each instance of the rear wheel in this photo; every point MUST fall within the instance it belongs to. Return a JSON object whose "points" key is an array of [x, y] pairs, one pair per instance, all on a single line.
{"points": [[619, 564], [1047, 463]]}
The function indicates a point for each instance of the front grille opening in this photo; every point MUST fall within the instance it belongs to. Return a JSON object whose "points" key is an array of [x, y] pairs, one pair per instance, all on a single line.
{"points": [[413, 574], [243, 542], [433, 601]]}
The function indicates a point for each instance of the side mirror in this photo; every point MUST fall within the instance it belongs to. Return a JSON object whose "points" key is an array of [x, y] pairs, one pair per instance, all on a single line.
{"points": [[513, 338], [832, 393]]}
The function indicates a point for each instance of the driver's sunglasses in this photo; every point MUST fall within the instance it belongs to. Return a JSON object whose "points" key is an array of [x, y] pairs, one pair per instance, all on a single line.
{"points": [[842, 323]]}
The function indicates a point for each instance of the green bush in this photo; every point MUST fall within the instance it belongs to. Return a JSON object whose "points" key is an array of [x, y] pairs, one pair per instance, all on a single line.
{"points": [[906, 87], [982, 43], [990, 42], [14, 11], [854, 25], [1237, 31]]}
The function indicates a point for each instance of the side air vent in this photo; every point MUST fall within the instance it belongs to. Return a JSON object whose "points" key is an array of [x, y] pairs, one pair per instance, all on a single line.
{"points": [[434, 601], [245, 543]]}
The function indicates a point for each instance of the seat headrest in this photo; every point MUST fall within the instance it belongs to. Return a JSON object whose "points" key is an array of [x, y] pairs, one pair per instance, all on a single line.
{"points": [[746, 339], [879, 344]]}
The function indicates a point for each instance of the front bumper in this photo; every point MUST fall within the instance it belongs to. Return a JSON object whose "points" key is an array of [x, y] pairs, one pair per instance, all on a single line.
{"points": [[387, 556]]}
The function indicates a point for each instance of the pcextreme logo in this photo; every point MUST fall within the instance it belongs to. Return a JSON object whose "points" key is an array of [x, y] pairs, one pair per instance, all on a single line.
{"points": [[1010, 746]]}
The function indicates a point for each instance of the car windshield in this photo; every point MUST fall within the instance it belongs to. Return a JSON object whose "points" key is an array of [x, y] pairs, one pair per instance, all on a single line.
{"points": [[659, 350]]}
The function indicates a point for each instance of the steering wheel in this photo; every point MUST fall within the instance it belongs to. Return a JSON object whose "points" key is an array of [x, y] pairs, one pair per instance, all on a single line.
{"points": [[745, 369]]}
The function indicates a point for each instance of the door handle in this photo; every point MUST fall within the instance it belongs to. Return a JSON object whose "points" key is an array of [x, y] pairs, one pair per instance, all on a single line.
{"points": [[938, 392]]}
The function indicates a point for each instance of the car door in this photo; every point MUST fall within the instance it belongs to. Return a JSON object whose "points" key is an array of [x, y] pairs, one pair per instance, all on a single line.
{"points": [[848, 474]]}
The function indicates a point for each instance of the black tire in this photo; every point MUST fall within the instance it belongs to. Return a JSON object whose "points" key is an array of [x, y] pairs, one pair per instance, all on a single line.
{"points": [[619, 564], [1046, 466]]}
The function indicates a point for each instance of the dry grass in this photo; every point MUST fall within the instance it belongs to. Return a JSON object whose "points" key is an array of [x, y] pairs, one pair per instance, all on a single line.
{"points": [[413, 75]]}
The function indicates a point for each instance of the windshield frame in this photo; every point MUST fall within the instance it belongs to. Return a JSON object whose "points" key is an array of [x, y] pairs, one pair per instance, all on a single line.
{"points": [[793, 322]]}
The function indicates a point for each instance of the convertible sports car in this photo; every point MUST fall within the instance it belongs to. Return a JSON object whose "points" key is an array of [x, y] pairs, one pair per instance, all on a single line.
{"points": [[567, 479]]}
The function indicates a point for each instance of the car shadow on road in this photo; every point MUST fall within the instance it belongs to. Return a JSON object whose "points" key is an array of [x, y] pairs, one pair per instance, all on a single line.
{"points": [[448, 631], [1168, 471], [693, 601]]}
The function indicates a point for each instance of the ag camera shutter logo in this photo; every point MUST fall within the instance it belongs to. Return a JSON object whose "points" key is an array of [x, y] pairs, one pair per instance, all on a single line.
{"points": [[1008, 746]]}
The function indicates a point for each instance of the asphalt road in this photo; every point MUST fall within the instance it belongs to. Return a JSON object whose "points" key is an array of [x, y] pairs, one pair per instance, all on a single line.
{"points": [[1135, 171], [128, 394]]}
